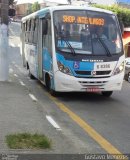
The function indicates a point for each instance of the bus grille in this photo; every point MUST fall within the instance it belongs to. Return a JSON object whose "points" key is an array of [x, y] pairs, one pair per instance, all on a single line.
{"points": [[88, 73], [92, 83]]}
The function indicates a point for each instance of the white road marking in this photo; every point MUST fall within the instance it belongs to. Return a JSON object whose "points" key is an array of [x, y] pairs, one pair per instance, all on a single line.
{"points": [[33, 97], [31, 80], [15, 75], [23, 84], [13, 62], [53, 123]]}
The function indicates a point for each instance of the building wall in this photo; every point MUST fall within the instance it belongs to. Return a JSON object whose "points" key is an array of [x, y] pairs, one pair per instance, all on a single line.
{"points": [[22, 10], [126, 41], [128, 51], [42, 5]]}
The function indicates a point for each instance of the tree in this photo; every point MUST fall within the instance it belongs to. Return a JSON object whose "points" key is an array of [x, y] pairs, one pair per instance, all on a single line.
{"points": [[123, 14], [35, 7]]}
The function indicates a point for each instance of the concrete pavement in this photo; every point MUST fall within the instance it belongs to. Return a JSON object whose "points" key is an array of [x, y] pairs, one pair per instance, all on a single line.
{"points": [[19, 113]]}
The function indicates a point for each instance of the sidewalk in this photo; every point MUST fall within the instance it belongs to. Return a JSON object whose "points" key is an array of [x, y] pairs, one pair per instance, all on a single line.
{"points": [[18, 114]]}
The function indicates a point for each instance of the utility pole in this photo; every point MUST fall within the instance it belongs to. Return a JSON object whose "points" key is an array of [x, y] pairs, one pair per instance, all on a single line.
{"points": [[4, 58]]}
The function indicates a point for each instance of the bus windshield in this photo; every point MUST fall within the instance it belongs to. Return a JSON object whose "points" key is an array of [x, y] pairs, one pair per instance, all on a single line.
{"points": [[87, 32]]}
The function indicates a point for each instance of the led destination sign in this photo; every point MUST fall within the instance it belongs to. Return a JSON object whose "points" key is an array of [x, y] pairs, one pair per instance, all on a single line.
{"points": [[83, 20]]}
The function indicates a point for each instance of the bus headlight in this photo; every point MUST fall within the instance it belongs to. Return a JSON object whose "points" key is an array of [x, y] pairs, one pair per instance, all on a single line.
{"points": [[119, 69], [63, 68]]}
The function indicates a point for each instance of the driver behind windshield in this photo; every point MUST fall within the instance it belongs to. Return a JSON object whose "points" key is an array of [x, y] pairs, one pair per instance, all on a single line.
{"points": [[65, 33], [100, 33]]}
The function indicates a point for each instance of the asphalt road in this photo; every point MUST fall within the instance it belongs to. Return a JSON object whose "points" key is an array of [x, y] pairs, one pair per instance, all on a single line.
{"points": [[93, 123]]}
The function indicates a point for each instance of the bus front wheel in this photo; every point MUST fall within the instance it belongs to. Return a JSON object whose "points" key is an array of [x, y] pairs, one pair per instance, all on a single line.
{"points": [[48, 86], [129, 77], [107, 93], [30, 74]]}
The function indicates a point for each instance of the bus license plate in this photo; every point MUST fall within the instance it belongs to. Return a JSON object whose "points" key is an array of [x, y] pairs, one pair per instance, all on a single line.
{"points": [[94, 89]]}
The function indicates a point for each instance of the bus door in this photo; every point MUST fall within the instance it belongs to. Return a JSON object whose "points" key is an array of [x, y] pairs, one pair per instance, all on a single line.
{"points": [[45, 47]]}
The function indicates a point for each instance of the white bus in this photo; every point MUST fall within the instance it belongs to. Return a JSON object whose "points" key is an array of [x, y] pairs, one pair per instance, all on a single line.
{"points": [[74, 49]]}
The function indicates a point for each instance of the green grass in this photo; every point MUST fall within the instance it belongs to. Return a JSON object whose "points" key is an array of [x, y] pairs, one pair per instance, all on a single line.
{"points": [[28, 141]]}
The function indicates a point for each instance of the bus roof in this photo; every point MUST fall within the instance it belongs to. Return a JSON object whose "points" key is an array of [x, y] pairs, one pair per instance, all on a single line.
{"points": [[41, 13]]}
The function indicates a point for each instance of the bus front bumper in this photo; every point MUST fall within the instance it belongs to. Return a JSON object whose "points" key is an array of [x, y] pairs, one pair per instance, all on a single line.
{"points": [[67, 83]]}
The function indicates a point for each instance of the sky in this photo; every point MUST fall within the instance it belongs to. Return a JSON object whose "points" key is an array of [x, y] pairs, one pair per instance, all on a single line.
{"points": [[125, 1], [58, 1], [40, 1], [65, 1], [109, 2]]}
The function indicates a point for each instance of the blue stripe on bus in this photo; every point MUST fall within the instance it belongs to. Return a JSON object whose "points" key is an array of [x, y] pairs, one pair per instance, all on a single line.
{"points": [[47, 65], [47, 60], [81, 66], [42, 13]]}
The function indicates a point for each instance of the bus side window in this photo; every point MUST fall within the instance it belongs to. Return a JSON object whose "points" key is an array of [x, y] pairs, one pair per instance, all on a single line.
{"points": [[26, 32], [35, 30], [31, 31], [26, 26], [47, 35], [44, 26], [44, 31]]}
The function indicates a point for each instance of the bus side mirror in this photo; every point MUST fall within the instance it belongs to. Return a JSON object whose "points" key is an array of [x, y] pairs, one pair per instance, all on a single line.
{"points": [[45, 26]]}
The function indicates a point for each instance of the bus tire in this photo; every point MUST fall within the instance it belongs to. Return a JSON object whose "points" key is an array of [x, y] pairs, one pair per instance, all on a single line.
{"points": [[30, 74], [128, 77], [52, 92], [27, 66], [48, 86], [107, 93]]}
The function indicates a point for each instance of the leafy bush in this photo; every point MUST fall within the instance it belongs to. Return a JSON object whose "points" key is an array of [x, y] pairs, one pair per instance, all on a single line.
{"points": [[123, 14], [35, 7]]}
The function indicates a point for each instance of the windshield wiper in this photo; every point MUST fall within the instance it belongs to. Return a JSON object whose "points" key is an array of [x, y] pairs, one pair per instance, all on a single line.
{"points": [[105, 47], [70, 47], [68, 44]]}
